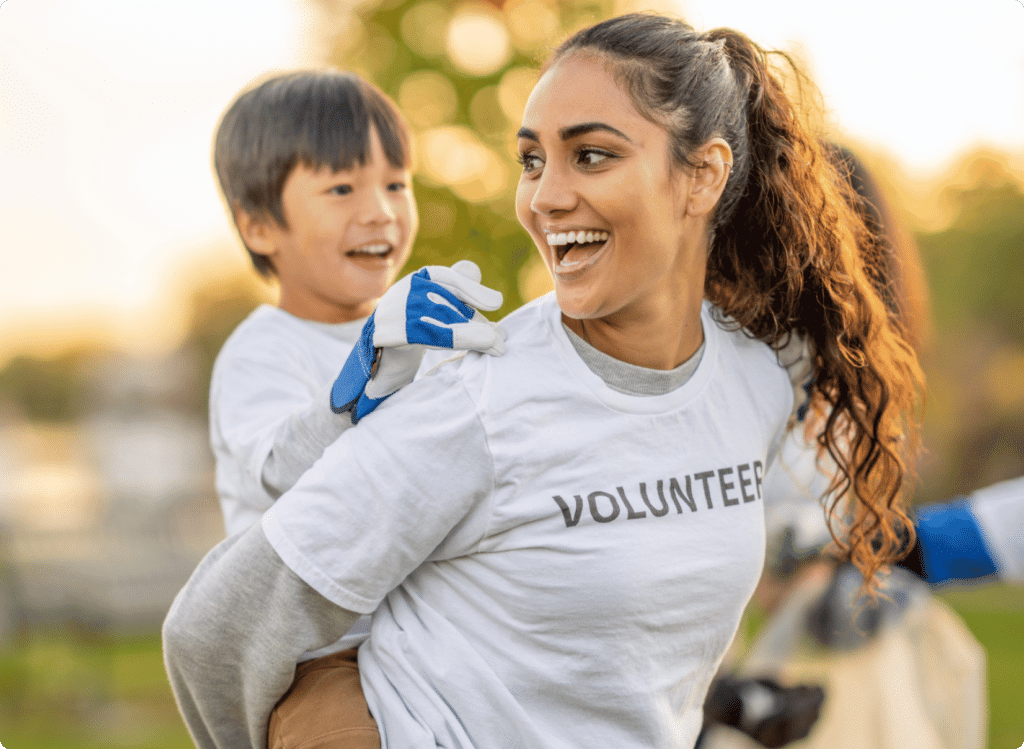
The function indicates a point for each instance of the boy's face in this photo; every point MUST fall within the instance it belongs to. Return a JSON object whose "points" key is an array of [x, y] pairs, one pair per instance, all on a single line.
{"points": [[349, 234]]}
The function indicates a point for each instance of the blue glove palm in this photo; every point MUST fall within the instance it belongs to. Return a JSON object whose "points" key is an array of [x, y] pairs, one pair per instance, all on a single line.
{"points": [[427, 309]]}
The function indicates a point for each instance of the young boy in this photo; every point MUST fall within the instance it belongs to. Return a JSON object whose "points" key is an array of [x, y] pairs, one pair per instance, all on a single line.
{"points": [[315, 169]]}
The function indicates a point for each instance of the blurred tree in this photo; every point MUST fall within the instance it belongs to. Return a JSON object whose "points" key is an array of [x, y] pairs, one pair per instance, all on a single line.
{"points": [[975, 267], [461, 73], [976, 264], [51, 390]]}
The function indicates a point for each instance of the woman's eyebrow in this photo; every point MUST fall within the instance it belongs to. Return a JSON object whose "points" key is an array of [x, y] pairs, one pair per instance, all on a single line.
{"points": [[527, 134], [574, 131]]}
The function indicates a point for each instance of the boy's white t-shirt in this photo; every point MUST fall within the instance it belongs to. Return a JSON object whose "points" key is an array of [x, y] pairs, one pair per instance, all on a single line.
{"points": [[556, 563], [273, 365]]}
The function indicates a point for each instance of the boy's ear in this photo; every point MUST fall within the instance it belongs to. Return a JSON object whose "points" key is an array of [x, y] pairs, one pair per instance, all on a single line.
{"points": [[710, 177], [257, 232]]}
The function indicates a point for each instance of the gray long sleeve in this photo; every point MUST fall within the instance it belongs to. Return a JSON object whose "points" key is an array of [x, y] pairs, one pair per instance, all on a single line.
{"points": [[300, 441], [233, 636]]}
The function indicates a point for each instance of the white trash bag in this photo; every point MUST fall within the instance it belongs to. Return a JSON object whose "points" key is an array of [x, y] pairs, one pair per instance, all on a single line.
{"points": [[917, 683]]}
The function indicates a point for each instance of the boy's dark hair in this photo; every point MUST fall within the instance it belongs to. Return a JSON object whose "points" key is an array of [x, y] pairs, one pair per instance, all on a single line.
{"points": [[317, 118]]}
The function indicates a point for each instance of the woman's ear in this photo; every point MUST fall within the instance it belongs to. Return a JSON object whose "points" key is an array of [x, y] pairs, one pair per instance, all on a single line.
{"points": [[714, 168], [257, 232]]}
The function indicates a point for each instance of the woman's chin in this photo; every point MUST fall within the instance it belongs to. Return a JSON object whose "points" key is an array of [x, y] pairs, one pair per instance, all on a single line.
{"points": [[575, 305]]}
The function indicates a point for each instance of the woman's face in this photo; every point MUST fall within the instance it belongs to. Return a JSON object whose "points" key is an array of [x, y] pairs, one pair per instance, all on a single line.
{"points": [[602, 201]]}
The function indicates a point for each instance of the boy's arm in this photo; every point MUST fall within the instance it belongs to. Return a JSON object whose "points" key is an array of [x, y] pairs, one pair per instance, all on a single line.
{"points": [[231, 658], [432, 308], [300, 441]]}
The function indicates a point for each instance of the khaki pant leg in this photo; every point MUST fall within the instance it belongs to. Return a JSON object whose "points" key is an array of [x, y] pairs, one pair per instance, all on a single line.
{"points": [[324, 709]]}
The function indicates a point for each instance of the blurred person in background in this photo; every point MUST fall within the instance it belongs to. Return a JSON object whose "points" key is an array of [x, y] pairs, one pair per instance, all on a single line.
{"points": [[969, 539], [705, 258], [314, 167], [972, 538]]}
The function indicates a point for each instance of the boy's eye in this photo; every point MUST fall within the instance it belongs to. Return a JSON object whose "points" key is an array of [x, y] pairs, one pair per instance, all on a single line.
{"points": [[341, 190]]}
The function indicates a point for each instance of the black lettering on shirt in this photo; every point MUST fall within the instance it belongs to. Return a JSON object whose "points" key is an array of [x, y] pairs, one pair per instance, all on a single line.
{"points": [[704, 476], [606, 507], [592, 499], [631, 514], [664, 502], [726, 486], [570, 518], [744, 483], [677, 494]]}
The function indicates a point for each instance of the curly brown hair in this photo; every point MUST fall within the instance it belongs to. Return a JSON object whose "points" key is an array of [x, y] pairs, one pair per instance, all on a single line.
{"points": [[790, 254]]}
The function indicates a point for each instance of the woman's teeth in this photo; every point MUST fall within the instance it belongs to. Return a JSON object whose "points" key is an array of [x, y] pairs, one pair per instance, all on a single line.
{"points": [[576, 237], [575, 248]]}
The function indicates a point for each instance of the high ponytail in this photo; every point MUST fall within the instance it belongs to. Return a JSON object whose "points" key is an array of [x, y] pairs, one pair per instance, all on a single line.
{"points": [[789, 254]]}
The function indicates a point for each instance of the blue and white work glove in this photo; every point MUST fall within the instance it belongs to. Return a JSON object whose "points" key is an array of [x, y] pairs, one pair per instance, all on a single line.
{"points": [[431, 308]]}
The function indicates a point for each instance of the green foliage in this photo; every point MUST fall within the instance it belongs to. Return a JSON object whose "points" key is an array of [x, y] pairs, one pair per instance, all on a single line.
{"points": [[51, 390], [976, 265], [484, 230]]}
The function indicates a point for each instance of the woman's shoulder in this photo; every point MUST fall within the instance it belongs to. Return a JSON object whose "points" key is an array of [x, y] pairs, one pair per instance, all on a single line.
{"points": [[769, 370], [531, 319], [528, 345], [735, 337]]}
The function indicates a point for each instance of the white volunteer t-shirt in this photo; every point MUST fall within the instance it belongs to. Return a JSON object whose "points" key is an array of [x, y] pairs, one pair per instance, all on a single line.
{"points": [[560, 564], [271, 366]]}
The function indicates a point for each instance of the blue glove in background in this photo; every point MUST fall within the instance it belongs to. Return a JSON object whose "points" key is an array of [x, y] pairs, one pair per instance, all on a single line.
{"points": [[427, 309]]}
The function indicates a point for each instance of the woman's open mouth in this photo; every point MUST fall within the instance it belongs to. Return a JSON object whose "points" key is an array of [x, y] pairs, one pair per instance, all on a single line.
{"points": [[575, 250]]}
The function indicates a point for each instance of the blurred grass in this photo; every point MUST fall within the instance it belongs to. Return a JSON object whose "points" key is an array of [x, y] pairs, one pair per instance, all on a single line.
{"points": [[995, 614], [62, 689], [65, 689]]}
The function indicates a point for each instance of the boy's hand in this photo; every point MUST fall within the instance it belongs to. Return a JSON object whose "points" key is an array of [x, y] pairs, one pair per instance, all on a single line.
{"points": [[431, 308]]}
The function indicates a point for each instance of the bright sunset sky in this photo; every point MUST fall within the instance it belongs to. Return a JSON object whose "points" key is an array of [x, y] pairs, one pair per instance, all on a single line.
{"points": [[107, 108]]}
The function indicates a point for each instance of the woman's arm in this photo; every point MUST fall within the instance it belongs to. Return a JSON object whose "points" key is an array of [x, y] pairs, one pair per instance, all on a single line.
{"points": [[233, 636]]}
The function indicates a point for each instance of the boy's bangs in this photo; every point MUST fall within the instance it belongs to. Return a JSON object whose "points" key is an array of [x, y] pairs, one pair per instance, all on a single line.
{"points": [[335, 129]]}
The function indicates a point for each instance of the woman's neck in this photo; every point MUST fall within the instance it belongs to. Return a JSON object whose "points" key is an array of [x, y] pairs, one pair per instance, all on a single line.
{"points": [[655, 341]]}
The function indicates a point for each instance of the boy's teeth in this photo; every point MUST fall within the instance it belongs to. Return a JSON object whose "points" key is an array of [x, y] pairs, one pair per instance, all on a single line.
{"points": [[373, 249]]}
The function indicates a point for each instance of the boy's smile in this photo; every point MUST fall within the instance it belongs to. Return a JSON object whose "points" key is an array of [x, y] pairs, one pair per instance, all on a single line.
{"points": [[348, 235]]}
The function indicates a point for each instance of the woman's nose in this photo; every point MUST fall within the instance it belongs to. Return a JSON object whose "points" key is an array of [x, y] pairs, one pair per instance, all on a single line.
{"points": [[554, 192]]}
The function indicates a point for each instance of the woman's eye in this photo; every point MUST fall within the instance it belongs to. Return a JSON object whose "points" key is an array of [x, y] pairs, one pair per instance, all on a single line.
{"points": [[341, 190], [396, 186], [530, 161], [590, 157]]}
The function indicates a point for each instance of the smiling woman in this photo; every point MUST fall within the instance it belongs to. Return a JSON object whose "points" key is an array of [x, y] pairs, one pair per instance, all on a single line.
{"points": [[556, 544], [593, 164]]}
